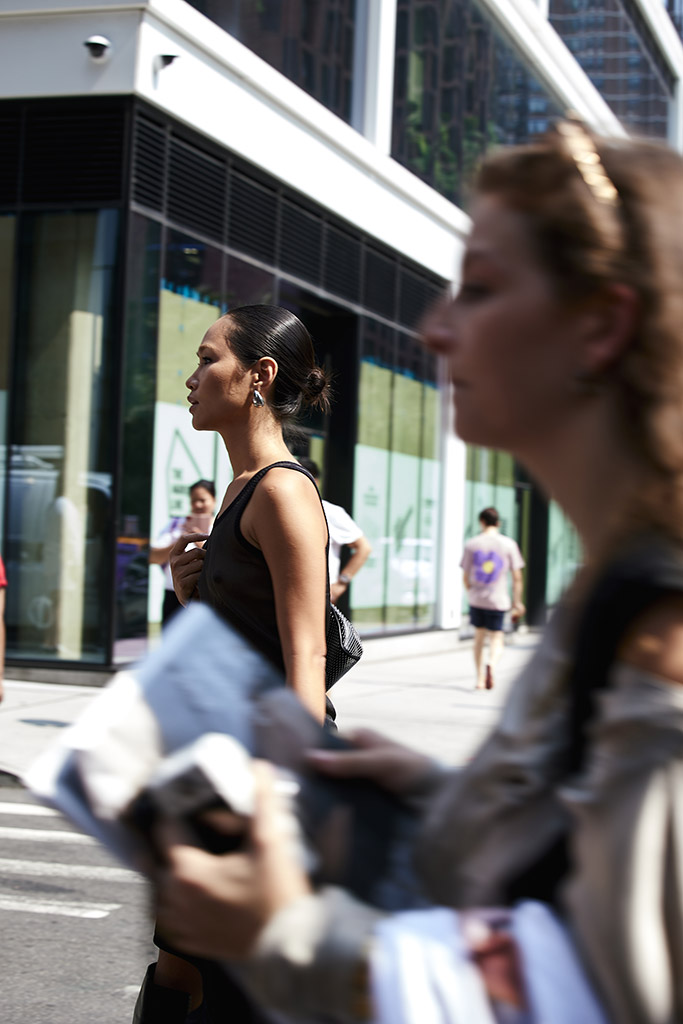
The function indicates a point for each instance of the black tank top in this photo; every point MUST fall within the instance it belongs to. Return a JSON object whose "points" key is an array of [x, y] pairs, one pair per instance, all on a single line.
{"points": [[235, 579]]}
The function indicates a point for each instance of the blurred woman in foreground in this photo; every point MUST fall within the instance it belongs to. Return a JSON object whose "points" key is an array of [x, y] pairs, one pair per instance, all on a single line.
{"points": [[565, 346]]}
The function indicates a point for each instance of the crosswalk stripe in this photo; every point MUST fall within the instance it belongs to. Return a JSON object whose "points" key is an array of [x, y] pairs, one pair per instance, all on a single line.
{"points": [[36, 810], [40, 835], [53, 869], [28, 905]]}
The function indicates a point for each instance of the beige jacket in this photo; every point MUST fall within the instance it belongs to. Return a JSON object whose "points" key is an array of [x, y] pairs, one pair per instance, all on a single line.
{"points": [[625, 900]]}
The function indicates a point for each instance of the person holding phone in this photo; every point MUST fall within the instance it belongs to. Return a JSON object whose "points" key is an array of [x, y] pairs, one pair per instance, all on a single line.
{"points": [[200, 521]]}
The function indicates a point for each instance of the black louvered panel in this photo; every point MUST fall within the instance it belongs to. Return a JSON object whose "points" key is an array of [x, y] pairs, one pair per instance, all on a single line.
{"points": [[342, 264], [148, 164], [73, 155], [301, 242], [415, 295], [380, 283], [252, 217], [196, 190], [10, 142]]}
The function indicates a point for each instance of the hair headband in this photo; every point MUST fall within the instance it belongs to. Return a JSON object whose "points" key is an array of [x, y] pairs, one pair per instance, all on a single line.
{"points": [[581, 148]]}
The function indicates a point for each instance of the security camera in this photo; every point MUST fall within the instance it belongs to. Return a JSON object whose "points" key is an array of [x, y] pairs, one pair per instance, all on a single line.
{"points": [[98, 47]]}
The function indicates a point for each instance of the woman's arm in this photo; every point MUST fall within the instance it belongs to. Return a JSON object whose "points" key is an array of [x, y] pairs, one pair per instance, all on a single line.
{"points": [[285, 520], [360, 552]]}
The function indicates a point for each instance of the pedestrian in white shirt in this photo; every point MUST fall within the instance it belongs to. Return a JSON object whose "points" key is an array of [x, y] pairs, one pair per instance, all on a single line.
{"points": [[486, 562], [343, 532]]}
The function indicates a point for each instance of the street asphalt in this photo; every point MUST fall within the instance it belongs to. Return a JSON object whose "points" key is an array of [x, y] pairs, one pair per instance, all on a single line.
{"points": [[417, 688]]}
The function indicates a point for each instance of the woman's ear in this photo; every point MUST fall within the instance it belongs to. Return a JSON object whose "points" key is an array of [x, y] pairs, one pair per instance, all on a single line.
{"points": [[610, 321], [265, 371]]}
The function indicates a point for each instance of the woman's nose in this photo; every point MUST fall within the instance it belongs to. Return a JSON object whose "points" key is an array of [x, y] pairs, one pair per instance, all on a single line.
{"points": [[191, 382], [437, 328]]}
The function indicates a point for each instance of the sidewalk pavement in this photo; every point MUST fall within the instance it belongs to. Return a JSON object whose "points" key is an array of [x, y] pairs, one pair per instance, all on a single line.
{"points": [[417, 689]]}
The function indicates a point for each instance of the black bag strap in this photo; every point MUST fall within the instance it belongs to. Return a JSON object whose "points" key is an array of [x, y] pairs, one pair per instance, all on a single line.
{"points": [[646, 570], [644, 573]]}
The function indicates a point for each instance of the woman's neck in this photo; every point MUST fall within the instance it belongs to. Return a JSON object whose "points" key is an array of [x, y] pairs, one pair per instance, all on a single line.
{"points": [[250, 450], [593, 475]]}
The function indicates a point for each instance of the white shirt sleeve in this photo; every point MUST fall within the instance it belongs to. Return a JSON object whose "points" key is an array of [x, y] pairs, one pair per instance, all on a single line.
{"points": [[343, 530]]}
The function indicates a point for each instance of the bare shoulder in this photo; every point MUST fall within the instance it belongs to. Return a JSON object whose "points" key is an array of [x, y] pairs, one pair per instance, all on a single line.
{"points": [[655, 642], [282, 487], [285, 503]]}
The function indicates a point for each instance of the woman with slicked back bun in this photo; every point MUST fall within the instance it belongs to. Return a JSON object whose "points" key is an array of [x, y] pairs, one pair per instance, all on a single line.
{"points": [[264, 565]]}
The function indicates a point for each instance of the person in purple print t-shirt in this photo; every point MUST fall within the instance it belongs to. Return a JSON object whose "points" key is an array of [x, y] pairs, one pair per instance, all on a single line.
{"points": [[486, 562]]}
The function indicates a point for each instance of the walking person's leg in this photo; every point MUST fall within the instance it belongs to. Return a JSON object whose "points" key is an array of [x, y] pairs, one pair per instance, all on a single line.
{"points": [[479, 642], [496, 643]]}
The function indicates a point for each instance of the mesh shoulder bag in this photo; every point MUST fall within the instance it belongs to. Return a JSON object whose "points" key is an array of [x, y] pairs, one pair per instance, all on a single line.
{"points": [[344, 646]]}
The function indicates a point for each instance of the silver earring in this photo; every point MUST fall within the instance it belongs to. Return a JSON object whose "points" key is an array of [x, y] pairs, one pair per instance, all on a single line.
{"points": [[258, 399]]}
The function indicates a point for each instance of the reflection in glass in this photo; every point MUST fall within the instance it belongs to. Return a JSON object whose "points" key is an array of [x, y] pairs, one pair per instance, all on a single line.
{"points": [[61, 461], [620, 57], [309, 41], [459, 87], [248, 285]]}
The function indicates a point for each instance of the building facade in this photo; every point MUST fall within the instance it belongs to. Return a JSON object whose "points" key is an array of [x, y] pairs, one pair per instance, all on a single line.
{"points": [[164, 161]]}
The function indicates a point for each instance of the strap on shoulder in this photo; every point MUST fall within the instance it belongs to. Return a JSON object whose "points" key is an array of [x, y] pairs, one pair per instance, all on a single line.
{"points": [[643, 573]]}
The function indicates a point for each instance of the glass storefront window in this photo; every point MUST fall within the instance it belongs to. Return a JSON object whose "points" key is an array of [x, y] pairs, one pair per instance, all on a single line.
{"points": [[60, 474], [309, 41], [430, 490], [141, 326], [397, 480], [564, 554], [372, 457], [625, 67], [190, 301], [459, 87], [490, 481], [7, 235]]}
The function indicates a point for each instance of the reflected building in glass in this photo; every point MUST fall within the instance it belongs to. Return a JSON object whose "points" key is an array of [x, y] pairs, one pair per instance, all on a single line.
{"points": [[460, 86], [315, 155], [614, 45]]}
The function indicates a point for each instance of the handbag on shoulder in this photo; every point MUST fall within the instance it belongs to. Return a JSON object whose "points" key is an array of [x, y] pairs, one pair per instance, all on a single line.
{"points": [[344, 647]]}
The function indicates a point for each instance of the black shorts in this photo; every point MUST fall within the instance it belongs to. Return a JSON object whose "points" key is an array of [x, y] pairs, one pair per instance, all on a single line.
{"points": [[486, 618]]}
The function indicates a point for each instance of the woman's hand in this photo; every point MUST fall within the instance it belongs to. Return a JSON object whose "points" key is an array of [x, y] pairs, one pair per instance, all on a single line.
{"points": [[217, 906], [186, 566], [399, 769]]}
